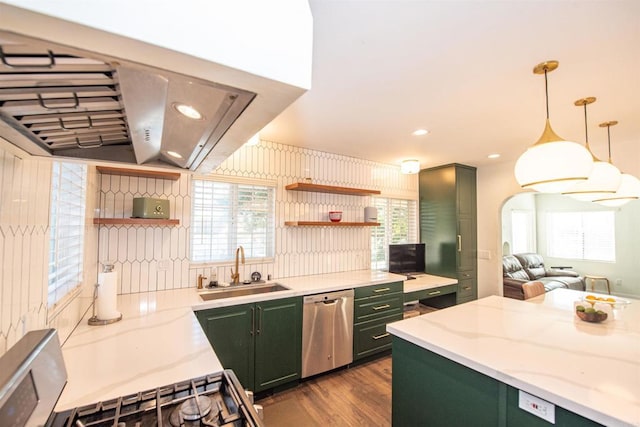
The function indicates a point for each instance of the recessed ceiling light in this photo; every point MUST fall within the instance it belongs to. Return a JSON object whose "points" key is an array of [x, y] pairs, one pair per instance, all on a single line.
{"points": [[174, 154], [420, 132], [188, 111], [493, 156]]}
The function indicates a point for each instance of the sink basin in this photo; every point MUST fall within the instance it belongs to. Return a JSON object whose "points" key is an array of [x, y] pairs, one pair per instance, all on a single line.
{"points": [[241, 290]]}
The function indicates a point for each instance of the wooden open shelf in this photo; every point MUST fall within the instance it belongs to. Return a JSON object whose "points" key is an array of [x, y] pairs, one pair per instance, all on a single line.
{"points": [[135, 221], [143, 173], [330, 224], [304, 186]]}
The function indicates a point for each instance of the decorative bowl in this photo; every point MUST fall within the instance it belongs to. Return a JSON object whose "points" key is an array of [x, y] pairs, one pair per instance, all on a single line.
{"points": [[593, 317], [606, 299], [335, 216]]}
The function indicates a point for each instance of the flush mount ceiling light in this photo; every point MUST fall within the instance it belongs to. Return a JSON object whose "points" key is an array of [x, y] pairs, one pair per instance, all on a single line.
{"points": [[410, 167], [605, 177], [552, 165], [420, 132], [188, 111], [493, 156], [174, 154], [629, 188]]}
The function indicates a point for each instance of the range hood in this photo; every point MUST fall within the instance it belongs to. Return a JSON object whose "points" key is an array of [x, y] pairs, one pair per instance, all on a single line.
{"points": [[60, 100]]}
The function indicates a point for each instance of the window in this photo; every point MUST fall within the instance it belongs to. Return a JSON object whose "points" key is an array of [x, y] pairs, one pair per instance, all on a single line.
{"points": [[226, 215], [522, 232], [68, 195], [582, 235], [397, 218]]}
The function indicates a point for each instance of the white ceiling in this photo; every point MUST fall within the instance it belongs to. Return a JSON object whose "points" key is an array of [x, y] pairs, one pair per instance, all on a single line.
{"points": [[463, 70]]}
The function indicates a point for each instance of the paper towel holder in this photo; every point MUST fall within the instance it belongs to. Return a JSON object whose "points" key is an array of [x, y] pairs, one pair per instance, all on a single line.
{"points": [[93, 320]]}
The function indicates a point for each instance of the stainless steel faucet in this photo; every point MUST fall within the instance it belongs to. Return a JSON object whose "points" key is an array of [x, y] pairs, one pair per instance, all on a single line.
{"points": [[235, 277]]}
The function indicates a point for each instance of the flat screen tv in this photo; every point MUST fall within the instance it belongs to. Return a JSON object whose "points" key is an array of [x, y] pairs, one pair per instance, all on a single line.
{"points": [[406, 258]]}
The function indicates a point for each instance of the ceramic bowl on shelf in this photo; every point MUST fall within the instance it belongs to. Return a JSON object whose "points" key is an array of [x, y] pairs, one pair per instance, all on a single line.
{"points": [[335, 216]]}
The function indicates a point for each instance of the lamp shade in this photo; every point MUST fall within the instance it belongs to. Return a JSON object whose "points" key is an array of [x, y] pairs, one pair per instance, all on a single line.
{"points": [[553, 165], [410, 166], [628, 190], [603, 181]]}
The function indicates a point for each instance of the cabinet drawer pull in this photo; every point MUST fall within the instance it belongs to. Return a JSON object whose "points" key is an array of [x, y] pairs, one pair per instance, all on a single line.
{"points": [[381, 290], [466, 288], [259, 321], [434, 293], [253, 320], [378, 337], [381, 307], [459, 243]]}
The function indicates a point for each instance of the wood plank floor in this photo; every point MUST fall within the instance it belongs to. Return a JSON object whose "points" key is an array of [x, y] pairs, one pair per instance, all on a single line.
{"points": [[357, 396]]}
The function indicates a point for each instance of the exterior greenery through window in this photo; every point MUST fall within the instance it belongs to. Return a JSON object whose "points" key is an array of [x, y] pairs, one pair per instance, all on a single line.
{"points": [[397, 218], [67, 216], [226, 215], [582, 235]]}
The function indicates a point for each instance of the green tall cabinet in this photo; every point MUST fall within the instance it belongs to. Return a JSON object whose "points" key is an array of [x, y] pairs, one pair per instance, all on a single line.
{"points": [[261, 342], [448, 225]]}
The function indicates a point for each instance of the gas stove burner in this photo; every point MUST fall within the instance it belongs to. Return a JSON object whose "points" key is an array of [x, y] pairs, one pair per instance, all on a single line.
{"points": [[195, 412]]}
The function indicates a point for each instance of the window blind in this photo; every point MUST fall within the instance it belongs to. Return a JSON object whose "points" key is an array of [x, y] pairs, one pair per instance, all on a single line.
{"points": [[582, 235], [226, 215], [67, 216], [522, 232], [397, 218]]}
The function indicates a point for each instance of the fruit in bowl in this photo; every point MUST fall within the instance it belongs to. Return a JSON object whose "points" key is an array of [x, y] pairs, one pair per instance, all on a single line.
{"points": [[590, 314], [335, 216], [613, 302]]}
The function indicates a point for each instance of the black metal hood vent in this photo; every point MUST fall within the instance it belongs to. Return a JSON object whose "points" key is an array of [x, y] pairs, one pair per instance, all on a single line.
{"points": [[58, 101]]}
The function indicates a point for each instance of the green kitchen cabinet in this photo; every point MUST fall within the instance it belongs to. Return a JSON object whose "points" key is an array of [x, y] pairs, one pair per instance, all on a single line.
{"points": [[448, 225], [261, 342], [430, 390], [374, 307]]}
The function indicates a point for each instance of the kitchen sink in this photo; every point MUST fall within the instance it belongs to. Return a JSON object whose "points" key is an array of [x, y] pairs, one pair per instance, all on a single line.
{"points": [[241, 290]]}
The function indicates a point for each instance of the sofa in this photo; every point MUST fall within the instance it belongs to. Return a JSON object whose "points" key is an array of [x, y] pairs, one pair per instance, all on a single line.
{"points": [[521, 268]]}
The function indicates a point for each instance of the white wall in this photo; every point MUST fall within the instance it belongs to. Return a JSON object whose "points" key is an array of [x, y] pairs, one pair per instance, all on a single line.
{"points": [[520, 202]]}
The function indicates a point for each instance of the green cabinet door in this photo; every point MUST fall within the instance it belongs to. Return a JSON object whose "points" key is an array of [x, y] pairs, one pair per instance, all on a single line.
{"points": [[230, 332], [278, 342]]}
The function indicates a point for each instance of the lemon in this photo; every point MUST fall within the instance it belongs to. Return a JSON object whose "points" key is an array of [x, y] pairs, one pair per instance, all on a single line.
{"points": [[591, 297], [611, 299]]}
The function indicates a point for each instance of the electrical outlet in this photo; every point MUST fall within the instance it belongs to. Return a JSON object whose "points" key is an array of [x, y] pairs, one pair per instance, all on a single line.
{"points": [[536, 406], [618, 282]]}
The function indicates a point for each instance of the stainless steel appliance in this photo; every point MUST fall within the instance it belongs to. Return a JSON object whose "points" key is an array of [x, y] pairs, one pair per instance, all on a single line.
{"points": [[327, 332], [33, 375]]}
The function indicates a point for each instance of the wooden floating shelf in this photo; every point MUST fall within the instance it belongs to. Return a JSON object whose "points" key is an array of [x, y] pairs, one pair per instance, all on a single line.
{"points": [[135, 221], [330, 224], [304, 186], [143, 173]]}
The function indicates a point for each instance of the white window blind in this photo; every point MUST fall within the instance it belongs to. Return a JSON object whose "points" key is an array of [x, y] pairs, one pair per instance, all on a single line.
{"points": [[397, 218], [523, 232], [227, 215], [67, 216], [582, 235]]}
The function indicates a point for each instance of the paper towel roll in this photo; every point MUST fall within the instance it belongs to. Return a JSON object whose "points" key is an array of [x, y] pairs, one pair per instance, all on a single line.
{"points": [[107, 294]]}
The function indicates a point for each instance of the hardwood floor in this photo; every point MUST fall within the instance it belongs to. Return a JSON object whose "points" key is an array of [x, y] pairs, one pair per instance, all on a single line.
{"points": [[357, 396]]}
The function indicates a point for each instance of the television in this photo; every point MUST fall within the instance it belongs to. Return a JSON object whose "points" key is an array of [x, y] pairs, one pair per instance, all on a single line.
{"points": [[406, 258]]}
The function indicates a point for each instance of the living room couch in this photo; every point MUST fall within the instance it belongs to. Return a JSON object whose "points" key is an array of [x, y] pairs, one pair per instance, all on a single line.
{"points": [[521, 268]]}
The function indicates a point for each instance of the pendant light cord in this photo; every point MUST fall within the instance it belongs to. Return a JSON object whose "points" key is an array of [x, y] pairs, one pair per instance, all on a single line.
{"points": [[546, 91], [609, 140], [586, 131]]}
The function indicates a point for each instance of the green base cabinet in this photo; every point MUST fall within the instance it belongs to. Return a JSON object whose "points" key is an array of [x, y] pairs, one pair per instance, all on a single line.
{"points": [[261, 342], [374, 307], [431, 390]]}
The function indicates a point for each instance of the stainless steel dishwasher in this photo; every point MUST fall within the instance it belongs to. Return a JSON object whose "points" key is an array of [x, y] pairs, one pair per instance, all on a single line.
{"points": [[327, 332]]}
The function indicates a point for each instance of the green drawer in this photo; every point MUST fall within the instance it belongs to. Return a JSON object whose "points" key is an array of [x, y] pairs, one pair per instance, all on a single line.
{"points": [[378, 290], [374, 308], [467, 289], [372, 337], [430, 293]]}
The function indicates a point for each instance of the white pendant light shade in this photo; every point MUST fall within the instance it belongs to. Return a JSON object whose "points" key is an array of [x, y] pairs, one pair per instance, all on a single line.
{"points": [[603, 181], [629, 190], [553, 165]]}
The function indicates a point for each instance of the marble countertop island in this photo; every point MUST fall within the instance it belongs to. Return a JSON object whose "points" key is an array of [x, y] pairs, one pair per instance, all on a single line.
{"points": [[541, 347]]}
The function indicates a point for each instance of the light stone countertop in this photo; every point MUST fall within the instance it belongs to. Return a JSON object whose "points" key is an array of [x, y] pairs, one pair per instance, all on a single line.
{"points": [[541, 347], [426, 281], [159, 340]]}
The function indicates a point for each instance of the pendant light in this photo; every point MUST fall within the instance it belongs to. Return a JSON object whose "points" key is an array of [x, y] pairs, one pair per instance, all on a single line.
{"points": [[552, 165], [629, 188], [604, 179]]}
